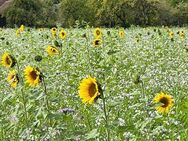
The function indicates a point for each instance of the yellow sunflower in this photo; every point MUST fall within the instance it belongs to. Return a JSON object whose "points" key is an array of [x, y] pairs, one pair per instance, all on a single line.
{"points": [[97, 33], [52, 50], [8, 60], [164, 102], [182, 34], [22, 28], [54, 31], [89, 90], [97, 42], [13, 78], [121, 33], [171, 34], [62, 34], [32, 76]]}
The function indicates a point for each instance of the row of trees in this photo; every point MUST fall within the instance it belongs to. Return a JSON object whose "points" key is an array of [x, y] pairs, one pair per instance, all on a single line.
{"points": [[108, 13]]}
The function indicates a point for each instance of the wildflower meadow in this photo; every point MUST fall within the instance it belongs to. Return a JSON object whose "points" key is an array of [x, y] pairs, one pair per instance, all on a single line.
{"points": [[94, 84]]}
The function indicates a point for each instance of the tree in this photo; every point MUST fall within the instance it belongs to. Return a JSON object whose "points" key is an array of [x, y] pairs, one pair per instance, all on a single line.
{"points": [[76, 10], [24, 12]]}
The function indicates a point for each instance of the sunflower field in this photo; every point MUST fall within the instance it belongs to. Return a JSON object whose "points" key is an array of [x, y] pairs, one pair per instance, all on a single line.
{"points": [[94, 84]]}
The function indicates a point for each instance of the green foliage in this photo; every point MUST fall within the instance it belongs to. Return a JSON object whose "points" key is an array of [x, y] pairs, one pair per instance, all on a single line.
{"points": [[108, 13], [76, 10], [24, 12]]}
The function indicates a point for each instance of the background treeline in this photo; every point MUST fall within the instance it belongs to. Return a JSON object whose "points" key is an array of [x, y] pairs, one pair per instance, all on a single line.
{"points": [[108, 13]]}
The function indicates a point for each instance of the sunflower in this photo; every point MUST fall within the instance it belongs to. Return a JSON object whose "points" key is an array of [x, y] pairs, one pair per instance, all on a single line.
{"points": [[54, 31], [89, 90], [97, 42], [32, 76], [8, 60], [121, 33], [52, 50], [62, 34], [22, 28], [13, 78], [171, 34], [97, 33], [182, 34], [165, 102]]}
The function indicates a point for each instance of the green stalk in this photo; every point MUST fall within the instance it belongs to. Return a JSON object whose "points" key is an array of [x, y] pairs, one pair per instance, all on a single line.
{"points": [[23, 96], [45, 92], [106, 117], [46, 99]]}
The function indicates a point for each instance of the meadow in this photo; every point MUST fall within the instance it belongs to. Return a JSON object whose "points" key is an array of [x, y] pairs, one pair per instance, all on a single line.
{"points": [[130, 68]]}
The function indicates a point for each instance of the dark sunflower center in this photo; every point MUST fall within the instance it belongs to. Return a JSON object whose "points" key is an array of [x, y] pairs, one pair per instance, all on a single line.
{"points": [[97, 42], [63, 34], [53, 50], [8, 61], [92, 90], [14, 78], [164, 101], [33, 75]]}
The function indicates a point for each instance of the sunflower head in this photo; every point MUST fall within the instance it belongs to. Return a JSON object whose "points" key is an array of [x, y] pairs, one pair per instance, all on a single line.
{"points": [[164, 102], [8, 60], [182, 34], [171, 34], [121, 33], [97, 42], [52, 50], [97, 33], [62, 34], [54, 31], [22, 28], [13, 78], [33, 76], [89, 90]]}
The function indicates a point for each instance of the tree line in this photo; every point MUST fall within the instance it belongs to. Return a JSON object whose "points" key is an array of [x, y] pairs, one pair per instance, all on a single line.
{"points": [[107, 13]]}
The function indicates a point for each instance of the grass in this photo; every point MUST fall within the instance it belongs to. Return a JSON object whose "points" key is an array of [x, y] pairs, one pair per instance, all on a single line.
{"points": [[131, 72]]}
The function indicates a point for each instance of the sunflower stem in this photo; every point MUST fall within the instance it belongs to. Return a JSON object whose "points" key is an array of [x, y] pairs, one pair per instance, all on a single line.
{"points": [[46, 98], [106, 118], [45, 92], [23, 96]]}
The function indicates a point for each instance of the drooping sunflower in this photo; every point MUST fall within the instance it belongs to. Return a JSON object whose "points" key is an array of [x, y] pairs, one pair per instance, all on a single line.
{"points": [[164, 102], [13, 78], [52, 50], [97, 33], [54, 31], [89, 90], [8, 60], [33, 76], [121, 33], [97, 42], [62, 34]]}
